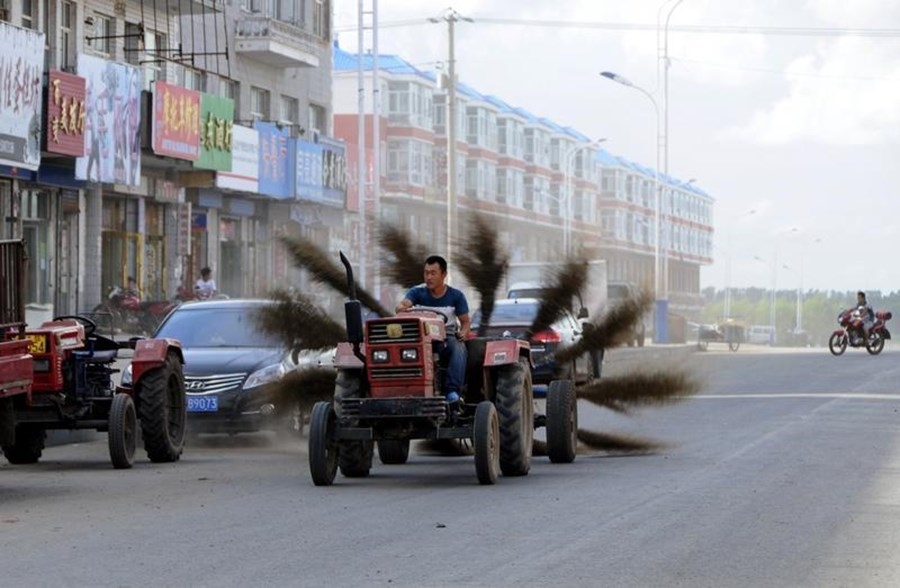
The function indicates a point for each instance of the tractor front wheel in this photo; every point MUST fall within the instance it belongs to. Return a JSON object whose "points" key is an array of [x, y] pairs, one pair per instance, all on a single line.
{"points": [[163, 410], [122, 431], [486, 441], [323, 449]]}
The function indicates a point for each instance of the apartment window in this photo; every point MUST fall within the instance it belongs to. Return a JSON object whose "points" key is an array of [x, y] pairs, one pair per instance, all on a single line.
{"points": [[290, 110], [103, 30], [320, 19], [28, 13], [193, 79], [259, 103], [317, 118], [230, 89], [66, 34]]}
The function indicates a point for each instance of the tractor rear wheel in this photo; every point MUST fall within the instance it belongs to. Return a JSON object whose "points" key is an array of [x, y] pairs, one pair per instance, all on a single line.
{"points": [[162, 410], [393, 451], [122, 431], [323, 449], [28, 447], [515, 407], [562, 421], [486, 441], [356, 458]]}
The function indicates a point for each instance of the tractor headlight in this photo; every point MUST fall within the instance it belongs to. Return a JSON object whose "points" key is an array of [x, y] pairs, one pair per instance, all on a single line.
{"points": [[380, 356], [409, 354], [266, 375], [126, 377]]}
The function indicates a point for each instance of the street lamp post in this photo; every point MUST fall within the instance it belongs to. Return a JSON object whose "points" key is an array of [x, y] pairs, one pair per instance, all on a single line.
{"points": [[661, 327], [567, 218], [727, 308]]}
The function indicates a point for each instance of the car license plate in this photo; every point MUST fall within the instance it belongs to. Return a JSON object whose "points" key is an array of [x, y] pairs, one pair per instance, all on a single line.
{"points": [[203, 403]]}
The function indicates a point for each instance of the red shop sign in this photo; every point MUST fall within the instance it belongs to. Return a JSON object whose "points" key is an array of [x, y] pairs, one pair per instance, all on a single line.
{"points": [[65, 113], [176, 122]]}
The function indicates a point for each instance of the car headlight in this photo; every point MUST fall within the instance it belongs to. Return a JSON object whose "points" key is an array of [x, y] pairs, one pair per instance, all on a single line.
{"points": [[265, 375], [380, 356], [409, 354], [126, 377]]}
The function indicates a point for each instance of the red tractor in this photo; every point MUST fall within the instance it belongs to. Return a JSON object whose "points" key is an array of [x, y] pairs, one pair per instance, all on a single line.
{"points": [[70, 374], [15, 361], [389, 390]]}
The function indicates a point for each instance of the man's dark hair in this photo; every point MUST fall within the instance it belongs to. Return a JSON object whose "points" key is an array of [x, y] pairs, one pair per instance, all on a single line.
{"points": [[861, 293], [438, 260], [205, 271]]}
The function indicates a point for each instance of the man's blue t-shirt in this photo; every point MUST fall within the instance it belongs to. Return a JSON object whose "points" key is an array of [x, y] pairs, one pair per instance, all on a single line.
{"points": [[453, 303]]}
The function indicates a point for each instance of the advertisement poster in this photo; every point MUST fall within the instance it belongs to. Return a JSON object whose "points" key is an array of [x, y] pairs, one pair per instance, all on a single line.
{"points": [[112, 130], [21, 96]]}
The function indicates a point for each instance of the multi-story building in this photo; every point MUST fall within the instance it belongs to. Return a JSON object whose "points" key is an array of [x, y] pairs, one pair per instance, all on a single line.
{"points": [[169, 136], [549, 187]]}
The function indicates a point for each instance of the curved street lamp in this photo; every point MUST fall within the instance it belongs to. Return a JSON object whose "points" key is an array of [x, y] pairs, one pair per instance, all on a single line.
{"points": [[660, 281]]}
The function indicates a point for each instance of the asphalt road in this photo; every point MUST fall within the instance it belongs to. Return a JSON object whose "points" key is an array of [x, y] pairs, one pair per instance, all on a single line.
{"points": [[784, 471]]}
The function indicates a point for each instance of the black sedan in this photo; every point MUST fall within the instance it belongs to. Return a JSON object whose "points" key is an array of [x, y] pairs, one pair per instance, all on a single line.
{"points": [[228, 364]]}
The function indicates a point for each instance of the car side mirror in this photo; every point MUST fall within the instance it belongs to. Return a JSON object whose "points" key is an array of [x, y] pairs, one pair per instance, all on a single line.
{"points": [[583, 313]]}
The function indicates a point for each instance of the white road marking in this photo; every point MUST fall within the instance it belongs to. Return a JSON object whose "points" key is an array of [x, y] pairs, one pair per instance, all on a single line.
{"points": [[860, 396]]}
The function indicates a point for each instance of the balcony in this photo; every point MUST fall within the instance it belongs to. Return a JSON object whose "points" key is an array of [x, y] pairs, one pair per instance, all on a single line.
{"points": [[276, 43]]}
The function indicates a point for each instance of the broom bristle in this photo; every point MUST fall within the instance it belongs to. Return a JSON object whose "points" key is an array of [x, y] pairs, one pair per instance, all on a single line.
{"points": [[657, 388], [318, 263], [404, 267], [611, 329], [619, 443], [561, 287], [298, 323], [483, 265]]}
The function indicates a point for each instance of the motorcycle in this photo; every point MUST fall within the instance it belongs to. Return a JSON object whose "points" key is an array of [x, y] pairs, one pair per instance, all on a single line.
{"points": [[185, 294], [129, 314], [851, 333]]}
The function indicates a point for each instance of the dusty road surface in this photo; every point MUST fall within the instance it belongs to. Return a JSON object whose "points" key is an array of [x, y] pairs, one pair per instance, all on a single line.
{"points": [[784, 471]]}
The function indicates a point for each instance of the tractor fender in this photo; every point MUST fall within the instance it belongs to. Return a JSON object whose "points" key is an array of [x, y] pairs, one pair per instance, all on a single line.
{"points": [[344, 357], [505, 352], [151, 353]]}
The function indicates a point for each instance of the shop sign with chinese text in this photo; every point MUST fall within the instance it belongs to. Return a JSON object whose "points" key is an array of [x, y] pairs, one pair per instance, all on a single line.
{"points": [[321, 170], [65, 113], [176, 121], [216, 133]]}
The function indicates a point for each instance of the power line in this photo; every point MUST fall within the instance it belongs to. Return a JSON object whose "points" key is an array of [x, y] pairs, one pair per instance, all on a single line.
{"points": [[781, 71], [626, 26]]}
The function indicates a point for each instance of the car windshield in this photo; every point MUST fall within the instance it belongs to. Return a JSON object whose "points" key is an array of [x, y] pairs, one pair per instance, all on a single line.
{"points": [[215, 327], [521, 312]]}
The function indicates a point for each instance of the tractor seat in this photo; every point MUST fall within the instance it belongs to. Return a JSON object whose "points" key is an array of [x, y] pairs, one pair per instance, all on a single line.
{"points": [[96, 356]]}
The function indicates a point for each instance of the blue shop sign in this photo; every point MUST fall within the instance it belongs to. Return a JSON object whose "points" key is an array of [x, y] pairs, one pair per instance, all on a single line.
{"points": [[321, 172], [17, 172], [276, 153]]}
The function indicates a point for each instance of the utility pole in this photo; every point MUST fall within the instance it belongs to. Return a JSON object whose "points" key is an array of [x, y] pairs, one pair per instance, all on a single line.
{"points": [[451, 17], [361, 140], [376, 145]]}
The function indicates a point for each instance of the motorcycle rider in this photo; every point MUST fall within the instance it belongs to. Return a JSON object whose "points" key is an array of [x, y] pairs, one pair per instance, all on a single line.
{"points": [[206, 286], [865, 312], [131, 289]]}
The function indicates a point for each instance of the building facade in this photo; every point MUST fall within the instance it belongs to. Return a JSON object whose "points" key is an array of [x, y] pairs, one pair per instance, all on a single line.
{"points": [[549, 188], [161, 138]]}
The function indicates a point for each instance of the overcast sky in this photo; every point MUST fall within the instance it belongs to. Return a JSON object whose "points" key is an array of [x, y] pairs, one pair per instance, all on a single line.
{"points": [[800, 129]]}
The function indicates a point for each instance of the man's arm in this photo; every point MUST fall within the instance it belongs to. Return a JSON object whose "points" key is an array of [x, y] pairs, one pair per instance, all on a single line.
{"points": [[404, 305], [464, 325]]}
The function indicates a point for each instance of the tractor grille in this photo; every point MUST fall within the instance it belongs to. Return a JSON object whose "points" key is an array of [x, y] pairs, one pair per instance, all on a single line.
{"points": [[410, 333], [384, 373], [199, 385], [362, 408]]}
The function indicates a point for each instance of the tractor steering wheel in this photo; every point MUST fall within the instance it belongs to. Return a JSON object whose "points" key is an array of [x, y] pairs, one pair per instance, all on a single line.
{"points": [[440, 313], [89, 325]]}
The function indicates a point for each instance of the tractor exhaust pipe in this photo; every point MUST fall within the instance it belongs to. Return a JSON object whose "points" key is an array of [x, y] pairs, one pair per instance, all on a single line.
{"points": [[353, 312]]}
